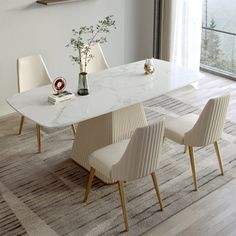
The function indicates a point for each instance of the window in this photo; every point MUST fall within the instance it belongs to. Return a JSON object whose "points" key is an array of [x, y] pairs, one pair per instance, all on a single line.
{"points": [[218, 51]]}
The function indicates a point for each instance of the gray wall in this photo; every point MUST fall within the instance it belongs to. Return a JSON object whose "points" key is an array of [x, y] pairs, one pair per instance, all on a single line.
{"points": [[139, 21], [29, 28]]}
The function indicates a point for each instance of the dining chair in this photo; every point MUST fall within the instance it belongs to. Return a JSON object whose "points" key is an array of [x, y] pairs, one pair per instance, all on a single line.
{"points": [[98, 61], [32, 73], [130, 159], [198, 131]]}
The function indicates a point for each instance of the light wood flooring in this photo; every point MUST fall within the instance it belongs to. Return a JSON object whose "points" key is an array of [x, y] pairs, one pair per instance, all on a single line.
{"points": [[214, 214]]}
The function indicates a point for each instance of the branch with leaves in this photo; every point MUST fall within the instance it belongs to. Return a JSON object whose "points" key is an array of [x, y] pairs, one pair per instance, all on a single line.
{"points": [[86, 37]]}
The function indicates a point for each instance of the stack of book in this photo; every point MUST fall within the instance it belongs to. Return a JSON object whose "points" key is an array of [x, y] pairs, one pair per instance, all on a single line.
{"points": [[60, 97]]}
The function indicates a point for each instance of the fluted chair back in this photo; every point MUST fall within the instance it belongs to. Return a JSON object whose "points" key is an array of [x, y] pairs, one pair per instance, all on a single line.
{"points": [[98, 62], [31, 73], [142, 154], [210, 124]]}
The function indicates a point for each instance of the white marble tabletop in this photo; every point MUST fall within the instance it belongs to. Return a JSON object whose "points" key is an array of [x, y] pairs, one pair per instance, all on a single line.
{"points": [[109, 90]]}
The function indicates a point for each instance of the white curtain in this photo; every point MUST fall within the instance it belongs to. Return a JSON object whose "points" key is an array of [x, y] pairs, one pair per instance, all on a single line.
{"points": [[181, 42]]}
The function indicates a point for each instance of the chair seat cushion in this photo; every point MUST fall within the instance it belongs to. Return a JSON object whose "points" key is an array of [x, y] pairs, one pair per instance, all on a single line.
{"points": [[104, 158], [176, 128]]}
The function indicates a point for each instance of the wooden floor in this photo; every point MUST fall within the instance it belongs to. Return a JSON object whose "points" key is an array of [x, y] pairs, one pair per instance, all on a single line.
{"points": [[212, 215], [216, 213]]}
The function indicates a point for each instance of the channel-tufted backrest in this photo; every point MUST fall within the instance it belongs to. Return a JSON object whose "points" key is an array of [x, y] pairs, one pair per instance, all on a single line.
{"points": [[210, 124], [142, 154], [31, 73]]}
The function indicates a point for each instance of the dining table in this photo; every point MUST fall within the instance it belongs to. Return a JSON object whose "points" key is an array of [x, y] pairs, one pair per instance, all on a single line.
{"points": [[112, 110]]}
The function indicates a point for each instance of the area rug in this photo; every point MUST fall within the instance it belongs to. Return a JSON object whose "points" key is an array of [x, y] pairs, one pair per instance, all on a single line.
{"points": [[45, 191]]}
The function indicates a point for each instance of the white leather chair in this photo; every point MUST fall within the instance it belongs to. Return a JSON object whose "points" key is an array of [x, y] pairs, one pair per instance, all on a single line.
{"points": [[130, 159], [98, 61], [32, 73], [198, 131]]}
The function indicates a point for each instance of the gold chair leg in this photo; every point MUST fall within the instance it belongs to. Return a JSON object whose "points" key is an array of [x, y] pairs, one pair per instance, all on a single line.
{"points": [[38, 137], [22, 119], [185, 148], [73, 129], [155, 182], [191, 155], [123, 204], [89, 185], [219, 157]]}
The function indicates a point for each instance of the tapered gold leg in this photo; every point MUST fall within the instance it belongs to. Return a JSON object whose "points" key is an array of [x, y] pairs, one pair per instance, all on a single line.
{"points": [[90, 181], [191, 154], [73, 129], [155, 182], [22, 119], [185, 148], [219, 157], [123, 204], [38, 137]]}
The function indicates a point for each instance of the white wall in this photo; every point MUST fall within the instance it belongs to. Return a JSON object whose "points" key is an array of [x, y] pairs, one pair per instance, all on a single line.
{"points": [[139, 19], [29, 28]]}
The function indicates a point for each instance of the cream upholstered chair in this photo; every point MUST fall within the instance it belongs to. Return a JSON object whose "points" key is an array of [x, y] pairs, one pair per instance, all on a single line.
{"points": [[32, 73], [99, 61], [130, 159], [196, 131]]}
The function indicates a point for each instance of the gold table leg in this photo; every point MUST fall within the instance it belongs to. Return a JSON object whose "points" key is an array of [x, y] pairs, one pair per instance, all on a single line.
{"points": [[22, 119], [38, 137]]}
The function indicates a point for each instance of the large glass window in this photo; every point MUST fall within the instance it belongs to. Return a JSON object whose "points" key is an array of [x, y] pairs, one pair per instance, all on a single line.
{"points": [[218, 51]]}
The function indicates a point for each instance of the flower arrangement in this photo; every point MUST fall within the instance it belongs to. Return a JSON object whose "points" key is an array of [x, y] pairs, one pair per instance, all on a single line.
{"points": [[87, 36]]}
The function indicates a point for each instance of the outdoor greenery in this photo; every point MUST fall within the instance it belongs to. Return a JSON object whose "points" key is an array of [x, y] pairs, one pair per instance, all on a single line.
{"points": [[83, 39], [211, 54], [217, 47]]}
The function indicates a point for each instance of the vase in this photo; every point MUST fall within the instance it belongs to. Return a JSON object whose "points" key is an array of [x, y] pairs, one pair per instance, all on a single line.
{"points": [[83, 88]]}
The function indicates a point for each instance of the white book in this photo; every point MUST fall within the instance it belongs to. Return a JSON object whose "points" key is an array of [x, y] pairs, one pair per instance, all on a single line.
{"points": [[64, 96], [61, 96], [61, 99]]}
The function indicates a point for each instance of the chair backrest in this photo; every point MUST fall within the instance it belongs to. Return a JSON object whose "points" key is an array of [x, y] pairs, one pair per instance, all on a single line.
{"points": [[31, 73], [98, 62], [210, 124], [142, 154]]}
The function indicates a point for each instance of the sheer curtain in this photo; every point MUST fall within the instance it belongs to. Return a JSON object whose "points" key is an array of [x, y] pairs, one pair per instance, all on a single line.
{"points": [[180, 32]]}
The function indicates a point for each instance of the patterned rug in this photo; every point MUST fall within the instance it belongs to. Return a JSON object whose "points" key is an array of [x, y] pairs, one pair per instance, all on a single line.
{"points": [[41, 194]]}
